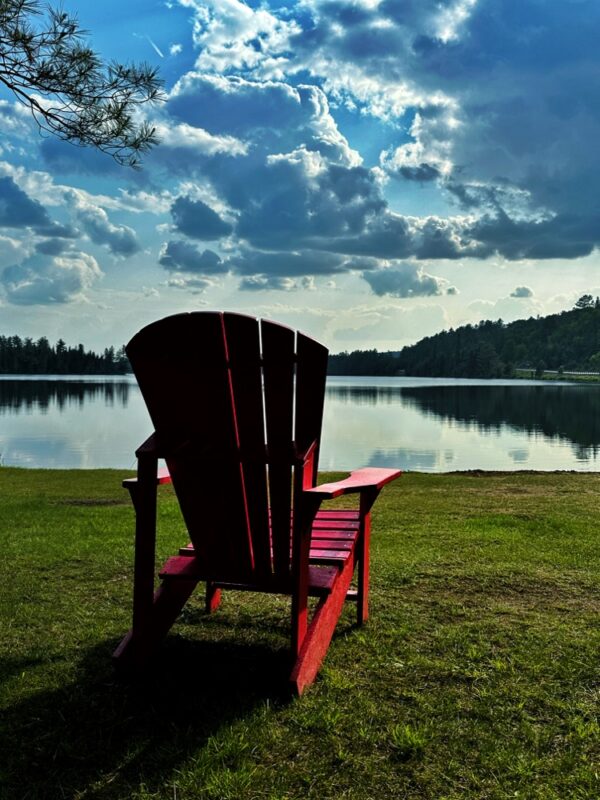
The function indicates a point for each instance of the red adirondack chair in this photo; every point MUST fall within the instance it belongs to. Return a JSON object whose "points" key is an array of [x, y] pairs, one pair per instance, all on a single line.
{"points": [[237, 405]]}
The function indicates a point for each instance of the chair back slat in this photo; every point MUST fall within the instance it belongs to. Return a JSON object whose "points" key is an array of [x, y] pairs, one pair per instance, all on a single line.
{"points": [[278, 370], [243, 348], [311, 374], [181, 367]]}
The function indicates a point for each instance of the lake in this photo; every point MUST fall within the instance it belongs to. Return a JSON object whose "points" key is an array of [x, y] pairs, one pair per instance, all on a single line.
{"points": [[425, 424]]}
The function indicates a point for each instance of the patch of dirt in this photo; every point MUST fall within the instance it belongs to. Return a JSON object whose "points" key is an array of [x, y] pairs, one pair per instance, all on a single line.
{"points": [[521, 592]]}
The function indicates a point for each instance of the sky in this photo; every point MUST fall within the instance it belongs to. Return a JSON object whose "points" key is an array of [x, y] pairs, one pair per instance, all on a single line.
{"points": [[368, 171]]}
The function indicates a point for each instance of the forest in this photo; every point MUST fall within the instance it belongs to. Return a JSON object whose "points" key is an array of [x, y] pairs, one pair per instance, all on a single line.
{"points": [[566, 341], [27, 357]]}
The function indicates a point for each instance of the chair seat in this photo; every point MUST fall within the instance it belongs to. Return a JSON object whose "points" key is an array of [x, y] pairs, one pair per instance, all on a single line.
{"points": [[333, 540]]}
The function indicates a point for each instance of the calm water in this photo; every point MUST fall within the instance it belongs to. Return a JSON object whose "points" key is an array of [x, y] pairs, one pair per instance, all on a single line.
{"points": [[432, 425]]}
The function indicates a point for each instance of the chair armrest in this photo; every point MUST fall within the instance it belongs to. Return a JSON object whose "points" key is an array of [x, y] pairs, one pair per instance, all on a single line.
{"points": [[162, 476], [149, 449], [373, 478]]}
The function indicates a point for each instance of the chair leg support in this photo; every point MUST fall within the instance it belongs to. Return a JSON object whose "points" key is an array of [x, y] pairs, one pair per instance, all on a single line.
{"points": [[137, 646], [320, 631]]}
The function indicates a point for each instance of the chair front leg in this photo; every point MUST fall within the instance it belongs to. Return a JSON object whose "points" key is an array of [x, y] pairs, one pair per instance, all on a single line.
{"points": [[367, 498], [143, 496], [302, 527]]}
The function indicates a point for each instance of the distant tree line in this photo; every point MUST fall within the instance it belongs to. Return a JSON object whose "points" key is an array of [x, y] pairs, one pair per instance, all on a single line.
{"points": [[27, 357], [363, 362], [563, 342]]}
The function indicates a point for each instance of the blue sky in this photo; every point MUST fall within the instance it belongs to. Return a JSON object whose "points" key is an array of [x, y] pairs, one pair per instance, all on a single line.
{"points": [[371, 171]]}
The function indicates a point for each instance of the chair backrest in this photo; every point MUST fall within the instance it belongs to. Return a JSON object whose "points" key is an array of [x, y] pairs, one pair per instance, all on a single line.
{"points": [[236, 403]]}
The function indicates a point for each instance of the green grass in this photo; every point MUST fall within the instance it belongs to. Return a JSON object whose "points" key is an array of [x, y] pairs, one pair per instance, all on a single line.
{"points": [[478, 675]]}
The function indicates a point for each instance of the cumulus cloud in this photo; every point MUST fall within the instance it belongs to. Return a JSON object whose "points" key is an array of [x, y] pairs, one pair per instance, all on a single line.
{"points": [[275, 115], [257, 283], [51, 247], [522, 291], [18, 210], [286, 264], [14, 119], [197, 140], [231, 34], [198, 220], [121, 240], [62, 157], [192, 285], [60, 279], [11, 250], [559, 236], [181, 256], [498, 128], [403, 280], [477, 101], [303, 198]]}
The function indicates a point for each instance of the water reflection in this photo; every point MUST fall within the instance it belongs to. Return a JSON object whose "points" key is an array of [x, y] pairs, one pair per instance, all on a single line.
{"points": [[71, 422], [571, 412], [23, 395], [420, 460], [437, 425], [365, 395], [411, 423]]}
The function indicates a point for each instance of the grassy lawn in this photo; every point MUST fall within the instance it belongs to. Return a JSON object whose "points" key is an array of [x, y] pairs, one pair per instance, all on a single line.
{"points": [[478, 675]]}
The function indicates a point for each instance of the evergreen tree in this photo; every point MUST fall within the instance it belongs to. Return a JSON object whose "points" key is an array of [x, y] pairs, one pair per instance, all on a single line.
{"points": [[570, 340], [24, 356]]}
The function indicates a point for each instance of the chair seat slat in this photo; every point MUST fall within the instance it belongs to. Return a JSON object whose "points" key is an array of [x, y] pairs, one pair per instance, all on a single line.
{"points": [[321, 580]]}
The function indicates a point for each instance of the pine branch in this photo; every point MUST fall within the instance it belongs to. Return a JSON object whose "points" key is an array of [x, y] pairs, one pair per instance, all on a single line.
{"points": [[69, 90]]}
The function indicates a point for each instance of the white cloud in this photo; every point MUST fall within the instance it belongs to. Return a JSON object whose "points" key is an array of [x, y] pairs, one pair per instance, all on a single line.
{"points": [[43, 281], [11, 250], [256, 283], [121, 240], [187, 137], [191, 285], [232, 35], [403, 280]]}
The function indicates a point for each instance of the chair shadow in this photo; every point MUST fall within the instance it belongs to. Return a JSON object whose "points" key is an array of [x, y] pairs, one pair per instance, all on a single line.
{"points": [[101, 733]]}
